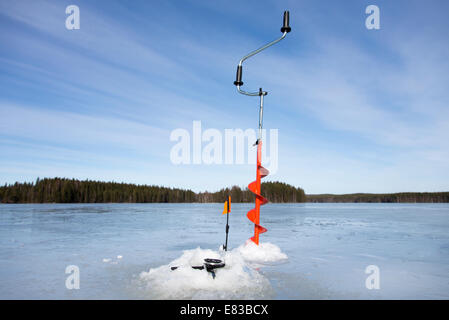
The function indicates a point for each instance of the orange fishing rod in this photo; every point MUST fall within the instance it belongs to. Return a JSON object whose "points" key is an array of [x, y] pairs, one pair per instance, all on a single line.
{"points": [[255, 186], [227, 210]]}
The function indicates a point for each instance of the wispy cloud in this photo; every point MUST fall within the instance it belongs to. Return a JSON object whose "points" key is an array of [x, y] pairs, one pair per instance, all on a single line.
{"points": [[356, 110]]}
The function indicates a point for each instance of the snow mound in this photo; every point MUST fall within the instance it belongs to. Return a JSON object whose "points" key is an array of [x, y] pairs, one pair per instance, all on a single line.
{"points": [[262, 253], [237, 280]]}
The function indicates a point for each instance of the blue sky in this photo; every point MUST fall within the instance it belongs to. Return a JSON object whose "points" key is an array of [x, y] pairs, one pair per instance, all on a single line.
{"points": [[357, 110]]}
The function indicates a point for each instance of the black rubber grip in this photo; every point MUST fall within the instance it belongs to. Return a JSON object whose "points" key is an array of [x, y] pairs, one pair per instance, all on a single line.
{"points": [[286, 27], [238, 76]]}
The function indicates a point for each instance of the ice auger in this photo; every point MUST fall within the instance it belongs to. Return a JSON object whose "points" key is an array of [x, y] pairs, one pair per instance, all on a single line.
{"points": [[255, 187]]}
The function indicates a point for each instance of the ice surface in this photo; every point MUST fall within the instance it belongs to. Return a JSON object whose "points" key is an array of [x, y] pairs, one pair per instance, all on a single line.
{"points": [[328, 246]]}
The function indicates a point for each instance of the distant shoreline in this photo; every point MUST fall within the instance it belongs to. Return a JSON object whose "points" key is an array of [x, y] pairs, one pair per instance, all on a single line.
{"points": [[63, 190], [400, 197]]}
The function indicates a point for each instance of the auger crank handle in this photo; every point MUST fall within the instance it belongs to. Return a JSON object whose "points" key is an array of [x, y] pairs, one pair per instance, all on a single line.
{"points": [[238, 76]]}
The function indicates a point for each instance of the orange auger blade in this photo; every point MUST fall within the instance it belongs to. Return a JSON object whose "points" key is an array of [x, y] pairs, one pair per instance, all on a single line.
{"points": [[254, 214], [227, 206]]}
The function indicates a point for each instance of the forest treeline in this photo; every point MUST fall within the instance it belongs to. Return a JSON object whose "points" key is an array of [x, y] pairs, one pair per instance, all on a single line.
{"points": [[406, 197], [277, 192], [61, 190]]}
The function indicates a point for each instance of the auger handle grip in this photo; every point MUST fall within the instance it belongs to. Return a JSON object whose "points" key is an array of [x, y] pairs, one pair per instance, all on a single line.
{"points": [[286, 26], [238, 77]]}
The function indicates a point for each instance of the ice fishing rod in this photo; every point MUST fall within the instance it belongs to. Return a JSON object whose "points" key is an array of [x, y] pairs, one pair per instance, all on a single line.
{"points": [[227, 210], [254, 214], [212, 264]]}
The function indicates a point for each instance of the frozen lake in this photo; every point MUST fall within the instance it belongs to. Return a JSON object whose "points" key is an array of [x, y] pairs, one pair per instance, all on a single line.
{"points": [[328, 246]]}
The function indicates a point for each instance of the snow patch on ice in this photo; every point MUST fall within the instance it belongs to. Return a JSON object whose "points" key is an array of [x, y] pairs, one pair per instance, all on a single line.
{"points": [[109, 260]]}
